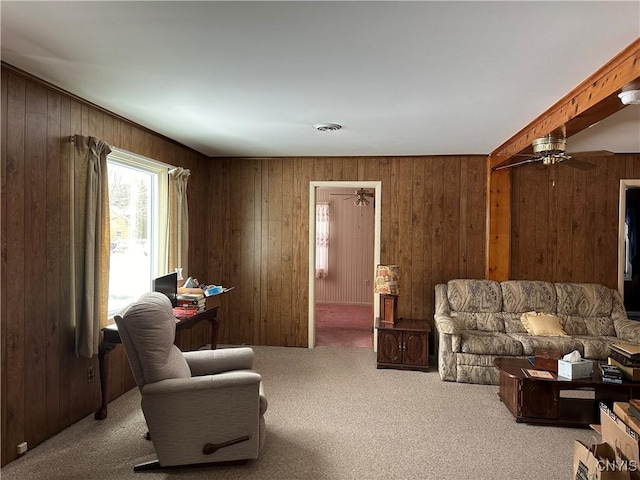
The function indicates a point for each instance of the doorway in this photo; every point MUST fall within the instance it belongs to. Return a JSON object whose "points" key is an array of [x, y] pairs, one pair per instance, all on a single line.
{"points": [[316, 190], [628, 251]]}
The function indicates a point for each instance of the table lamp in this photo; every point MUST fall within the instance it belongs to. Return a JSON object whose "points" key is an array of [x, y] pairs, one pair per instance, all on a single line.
{"points": [[386, 284]]}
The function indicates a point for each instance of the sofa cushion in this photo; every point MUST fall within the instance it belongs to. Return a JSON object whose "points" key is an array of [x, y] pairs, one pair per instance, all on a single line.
{"points": [[474, 295], [488, 322], [531, 343], [584, 299], [574, 325], [593, 326], [542, 324], [596, 348], [489, 343], [519, 296], [512, 323]]}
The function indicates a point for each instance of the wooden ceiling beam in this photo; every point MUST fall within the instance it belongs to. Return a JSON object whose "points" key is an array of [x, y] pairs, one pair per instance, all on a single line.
{"points": [[593, 100]]}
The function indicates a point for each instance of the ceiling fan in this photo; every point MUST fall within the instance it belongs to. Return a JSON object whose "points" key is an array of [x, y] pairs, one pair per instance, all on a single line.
{"points": [[550, 150], [360, 195]]}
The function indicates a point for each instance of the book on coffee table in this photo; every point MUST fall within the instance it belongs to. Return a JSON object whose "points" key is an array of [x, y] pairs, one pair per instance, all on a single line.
{"points": [[627, 349], [632, 373], [544, 374]]}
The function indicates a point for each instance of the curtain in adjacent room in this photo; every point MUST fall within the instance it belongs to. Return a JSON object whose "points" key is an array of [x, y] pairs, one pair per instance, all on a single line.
{"points": [[322, 240], [178, 220], [89, 242]]}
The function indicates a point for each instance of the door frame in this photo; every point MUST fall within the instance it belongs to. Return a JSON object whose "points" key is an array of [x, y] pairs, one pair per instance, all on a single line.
{"points": [[377, 186], [625, 184]]}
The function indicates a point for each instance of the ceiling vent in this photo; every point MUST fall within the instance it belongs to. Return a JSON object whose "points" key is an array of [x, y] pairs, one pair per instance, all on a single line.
{"points": [[327, 127]]}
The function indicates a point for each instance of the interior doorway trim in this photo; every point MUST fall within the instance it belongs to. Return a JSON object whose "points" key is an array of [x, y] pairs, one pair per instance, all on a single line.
{"points": [[624, 186], [377, 186]]}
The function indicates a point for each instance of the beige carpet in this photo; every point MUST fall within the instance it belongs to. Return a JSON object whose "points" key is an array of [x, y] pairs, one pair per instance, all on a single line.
{"points": [[333, 416]]}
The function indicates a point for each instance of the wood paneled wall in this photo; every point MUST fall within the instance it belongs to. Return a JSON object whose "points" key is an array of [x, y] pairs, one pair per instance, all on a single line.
{"points": [[351, 233], [433, 225], [44, 386], [565, 220]]}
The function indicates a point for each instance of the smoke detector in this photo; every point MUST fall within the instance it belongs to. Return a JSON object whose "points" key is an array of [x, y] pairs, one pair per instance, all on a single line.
{"points": [[630, 97], [327, 127]]}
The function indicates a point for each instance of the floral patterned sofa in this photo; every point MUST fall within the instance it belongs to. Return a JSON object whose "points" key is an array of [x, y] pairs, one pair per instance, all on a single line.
{"points": [[480, 320]]}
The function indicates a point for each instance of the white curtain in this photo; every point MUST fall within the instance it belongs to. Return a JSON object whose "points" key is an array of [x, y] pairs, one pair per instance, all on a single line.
{"points": [[322, 240], [89, 242], [178, 220]]}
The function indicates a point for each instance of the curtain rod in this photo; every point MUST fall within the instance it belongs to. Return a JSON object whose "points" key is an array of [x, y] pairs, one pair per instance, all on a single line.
{"points": [[168, 166]]}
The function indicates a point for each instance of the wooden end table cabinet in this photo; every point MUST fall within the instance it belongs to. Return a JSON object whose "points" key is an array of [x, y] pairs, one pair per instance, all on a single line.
{"points": [[403, 345]]}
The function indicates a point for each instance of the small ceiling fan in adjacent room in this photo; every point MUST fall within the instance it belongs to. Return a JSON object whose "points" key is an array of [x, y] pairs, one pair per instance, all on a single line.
{"points": [[360, 195], [550, 150]]}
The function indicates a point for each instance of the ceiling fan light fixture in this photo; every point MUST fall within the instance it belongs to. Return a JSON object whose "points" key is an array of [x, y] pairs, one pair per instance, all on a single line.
{"points": [[549, 145], [361, 202], [630, 97], [327, 127]]}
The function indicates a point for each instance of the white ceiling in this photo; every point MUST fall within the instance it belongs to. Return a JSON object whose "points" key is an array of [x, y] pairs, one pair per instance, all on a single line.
{"points": [[402, 78]]}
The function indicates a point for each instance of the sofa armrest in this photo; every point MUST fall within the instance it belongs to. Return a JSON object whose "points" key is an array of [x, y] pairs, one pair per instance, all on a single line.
{"points": [[628, 330], [449, 325], [209, 362]]}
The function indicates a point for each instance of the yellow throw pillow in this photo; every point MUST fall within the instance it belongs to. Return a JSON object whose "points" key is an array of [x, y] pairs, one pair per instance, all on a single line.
{"points": [[542, 324]]}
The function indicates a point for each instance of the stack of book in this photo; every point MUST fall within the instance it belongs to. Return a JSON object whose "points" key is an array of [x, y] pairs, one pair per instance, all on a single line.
{"points": [[629, 413], [634, 408], [610, 374], [626, 357], [188, 304], [186, 311], [191, 300]]}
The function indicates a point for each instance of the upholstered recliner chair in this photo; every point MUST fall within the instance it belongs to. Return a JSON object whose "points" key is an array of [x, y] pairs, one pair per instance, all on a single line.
{"points": [[204, 406]]}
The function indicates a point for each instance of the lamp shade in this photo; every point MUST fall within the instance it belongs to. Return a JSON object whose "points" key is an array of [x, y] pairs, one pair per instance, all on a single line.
{"points": [[387, 279]]}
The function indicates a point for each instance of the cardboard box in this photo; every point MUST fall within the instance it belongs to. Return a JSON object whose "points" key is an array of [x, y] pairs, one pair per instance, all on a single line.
{"points": [[621, 409], [572, 371]]}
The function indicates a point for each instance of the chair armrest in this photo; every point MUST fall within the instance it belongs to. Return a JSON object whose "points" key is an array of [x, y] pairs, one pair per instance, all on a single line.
{"points": [[628, 330], [209, 362], [221, 381], [263, 399], [449, 325]]}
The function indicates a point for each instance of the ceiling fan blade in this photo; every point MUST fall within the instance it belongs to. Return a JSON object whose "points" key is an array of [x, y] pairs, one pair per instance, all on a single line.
{"points": [[575, 163], [594, 153], [528, 160]]}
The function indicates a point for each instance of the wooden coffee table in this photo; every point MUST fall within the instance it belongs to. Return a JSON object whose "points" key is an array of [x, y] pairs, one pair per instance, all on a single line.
{"points": [[557, 401]]}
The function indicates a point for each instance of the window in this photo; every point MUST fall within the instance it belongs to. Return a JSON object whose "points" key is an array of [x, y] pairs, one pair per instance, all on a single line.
{"points": [[138, 221], [322, 240]]}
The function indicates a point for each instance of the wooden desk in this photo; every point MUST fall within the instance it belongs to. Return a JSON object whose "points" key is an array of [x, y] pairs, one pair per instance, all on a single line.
{"points": [[111, 338]]}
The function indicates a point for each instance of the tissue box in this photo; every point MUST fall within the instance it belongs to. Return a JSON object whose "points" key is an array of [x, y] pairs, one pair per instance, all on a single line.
{"points": [[572, 371]]}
